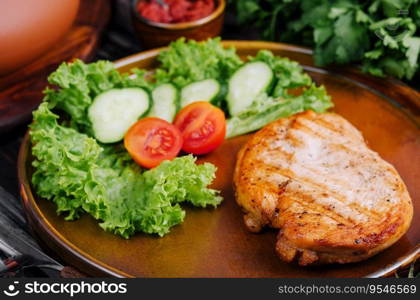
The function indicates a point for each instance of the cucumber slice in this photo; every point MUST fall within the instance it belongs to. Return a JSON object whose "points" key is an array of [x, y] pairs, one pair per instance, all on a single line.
{"points": [[113, 112], [165, 102], [205, 90], [246, 84]]}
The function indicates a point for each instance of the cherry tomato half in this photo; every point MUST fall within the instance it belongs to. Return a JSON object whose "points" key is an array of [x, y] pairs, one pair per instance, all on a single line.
{"points": [[151, 141], [203, 127]]}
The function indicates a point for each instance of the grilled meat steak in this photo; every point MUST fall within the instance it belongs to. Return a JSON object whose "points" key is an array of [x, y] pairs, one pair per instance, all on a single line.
{"points": [[313, 177]]}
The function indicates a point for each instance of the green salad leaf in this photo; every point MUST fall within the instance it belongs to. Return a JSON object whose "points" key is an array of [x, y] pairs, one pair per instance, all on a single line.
{"points": [[280, 102], [288, 73], [79, 83], [380, 35], [62, 162], [79, 175], [266, 109]]}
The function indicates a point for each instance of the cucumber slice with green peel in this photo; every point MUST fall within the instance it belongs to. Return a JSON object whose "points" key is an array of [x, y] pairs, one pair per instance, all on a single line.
{"points": [[165, 102], [204, 90], [246, 84], [113, 112]]}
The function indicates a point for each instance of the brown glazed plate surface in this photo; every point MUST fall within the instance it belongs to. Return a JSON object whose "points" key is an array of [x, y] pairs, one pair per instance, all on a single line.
{"points": [[215, 242]]}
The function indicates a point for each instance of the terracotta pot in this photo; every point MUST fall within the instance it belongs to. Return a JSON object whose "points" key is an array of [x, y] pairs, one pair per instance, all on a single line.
{"points": [[28, 28], [153, 34]]}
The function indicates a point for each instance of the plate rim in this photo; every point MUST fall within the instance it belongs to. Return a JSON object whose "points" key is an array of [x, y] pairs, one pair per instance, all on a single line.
{"points": [[55, 240]]}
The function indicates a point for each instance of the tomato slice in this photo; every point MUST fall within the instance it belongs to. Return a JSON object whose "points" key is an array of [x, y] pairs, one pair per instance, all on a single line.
{"points": [[151, 141], [203, 127]]}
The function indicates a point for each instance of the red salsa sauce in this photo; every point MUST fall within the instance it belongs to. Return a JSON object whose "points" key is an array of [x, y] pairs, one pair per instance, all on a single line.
{"points": [[176, 11]]}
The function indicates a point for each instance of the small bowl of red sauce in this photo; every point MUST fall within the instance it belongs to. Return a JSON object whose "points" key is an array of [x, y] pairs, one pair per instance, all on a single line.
{"points": [[159, 22]]}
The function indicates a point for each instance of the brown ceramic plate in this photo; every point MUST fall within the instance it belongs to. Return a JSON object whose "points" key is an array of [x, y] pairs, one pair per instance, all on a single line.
{"points": [[21, 90], [214, 242]]}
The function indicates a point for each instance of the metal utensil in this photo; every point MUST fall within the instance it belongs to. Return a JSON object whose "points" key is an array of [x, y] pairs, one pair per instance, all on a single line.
{"points": [[18, 264], [11, 258], [17, 247]]}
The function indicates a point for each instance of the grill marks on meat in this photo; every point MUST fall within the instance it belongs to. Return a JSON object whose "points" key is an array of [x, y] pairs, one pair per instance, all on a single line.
{"points": [[313, 177]]}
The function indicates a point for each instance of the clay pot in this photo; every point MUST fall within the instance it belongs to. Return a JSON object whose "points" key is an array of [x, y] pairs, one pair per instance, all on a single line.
{"points": [[152, 34], [28, 28]]}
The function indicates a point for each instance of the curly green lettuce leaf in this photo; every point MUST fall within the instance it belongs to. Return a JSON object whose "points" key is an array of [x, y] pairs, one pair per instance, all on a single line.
{"points": [[188, 61], [63, 158], [184, 180], [266, 109], [288, 73], [79, 175], [280, 101], [79, 83]]}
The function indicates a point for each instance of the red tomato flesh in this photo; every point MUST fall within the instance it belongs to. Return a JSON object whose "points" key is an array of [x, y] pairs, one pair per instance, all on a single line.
{"points": [[151, 141], [203, 127], [176, 11]]}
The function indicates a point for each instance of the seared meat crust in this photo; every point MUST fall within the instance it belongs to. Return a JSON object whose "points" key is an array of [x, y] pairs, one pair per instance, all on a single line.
{"points": [[313, 177]]}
